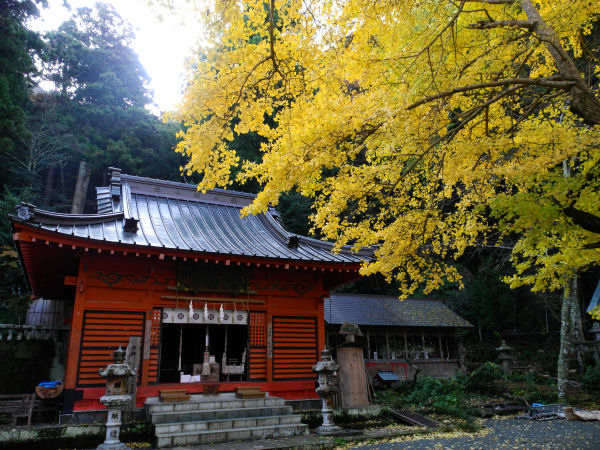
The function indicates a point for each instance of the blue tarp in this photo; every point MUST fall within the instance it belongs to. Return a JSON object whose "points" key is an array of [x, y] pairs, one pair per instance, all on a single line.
{"points": [[595, 298], [49, 384], [387, 376]]}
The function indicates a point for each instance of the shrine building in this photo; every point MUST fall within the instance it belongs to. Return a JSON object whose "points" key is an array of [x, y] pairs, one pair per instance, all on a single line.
{"points": [[211, 296]]}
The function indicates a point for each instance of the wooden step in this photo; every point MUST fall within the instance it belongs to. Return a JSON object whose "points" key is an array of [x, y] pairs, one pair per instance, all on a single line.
{"points": [[173, 395], [412, 418], [248, 392]]}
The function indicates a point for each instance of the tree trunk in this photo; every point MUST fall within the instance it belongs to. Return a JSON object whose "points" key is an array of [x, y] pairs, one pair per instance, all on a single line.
{"points": [[570, 303], [576, 324], [49, 188], [83, 179]]}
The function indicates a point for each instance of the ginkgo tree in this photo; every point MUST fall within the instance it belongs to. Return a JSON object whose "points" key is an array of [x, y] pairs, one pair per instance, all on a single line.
{"points": [[419, 127]]}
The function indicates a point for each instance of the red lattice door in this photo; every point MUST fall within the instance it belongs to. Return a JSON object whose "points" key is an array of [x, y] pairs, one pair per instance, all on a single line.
{"points": [[257, 336]]}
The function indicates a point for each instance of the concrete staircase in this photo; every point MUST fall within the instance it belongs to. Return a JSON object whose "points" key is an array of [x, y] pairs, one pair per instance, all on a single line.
{"points": [[209, 419]]}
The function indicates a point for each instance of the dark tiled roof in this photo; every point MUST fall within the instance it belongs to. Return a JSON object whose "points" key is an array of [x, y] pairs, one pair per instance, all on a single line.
{"points": [[176, 216], [364, 309]]}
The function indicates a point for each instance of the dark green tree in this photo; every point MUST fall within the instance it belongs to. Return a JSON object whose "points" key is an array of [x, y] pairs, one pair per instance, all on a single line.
{"points": [[486, 301], [104, 94], [17, 48]]}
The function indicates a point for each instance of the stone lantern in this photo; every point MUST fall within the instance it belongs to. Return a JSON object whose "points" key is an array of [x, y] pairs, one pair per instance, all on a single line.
{"points": [[506, 358], [117, 397], [326, 370]]}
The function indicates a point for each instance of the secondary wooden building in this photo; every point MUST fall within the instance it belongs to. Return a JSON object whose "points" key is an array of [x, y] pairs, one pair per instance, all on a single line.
{"points": [[399, 335], [182, 271]]}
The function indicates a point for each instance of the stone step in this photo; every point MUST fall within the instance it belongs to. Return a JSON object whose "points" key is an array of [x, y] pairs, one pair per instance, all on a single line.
{"points": [[225, 435], [225, 424], [199, 402], [189, 416]]}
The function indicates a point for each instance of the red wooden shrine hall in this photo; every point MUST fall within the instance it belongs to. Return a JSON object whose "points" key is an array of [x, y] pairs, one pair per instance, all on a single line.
{"points": [[213, 297]]}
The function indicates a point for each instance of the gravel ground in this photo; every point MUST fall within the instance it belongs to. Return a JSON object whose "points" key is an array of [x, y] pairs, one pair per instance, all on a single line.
{"points": [[509, 434]]}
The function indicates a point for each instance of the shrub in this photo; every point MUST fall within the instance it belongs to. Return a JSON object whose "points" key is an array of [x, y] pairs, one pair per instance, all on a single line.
{"points": [[484, 379], [436, 393], [590, 382]]}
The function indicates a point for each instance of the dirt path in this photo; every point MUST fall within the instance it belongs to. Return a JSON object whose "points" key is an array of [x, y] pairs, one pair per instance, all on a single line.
{"points": [[511, 434]]}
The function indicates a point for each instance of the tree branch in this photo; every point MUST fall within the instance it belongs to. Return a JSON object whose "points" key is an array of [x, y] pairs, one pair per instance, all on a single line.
{"points": [[492, 2], [272, 38], [545, 82], [592, 245], [587, 221], [487, 24], [467, 117], [583, 101]]}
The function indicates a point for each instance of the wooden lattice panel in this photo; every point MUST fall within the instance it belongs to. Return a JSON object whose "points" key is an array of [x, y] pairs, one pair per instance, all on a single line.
{"points": [[153, 366], [257, 336], [258, 329], [153, 361], [101, 335], [294, 347], [156, 324]]}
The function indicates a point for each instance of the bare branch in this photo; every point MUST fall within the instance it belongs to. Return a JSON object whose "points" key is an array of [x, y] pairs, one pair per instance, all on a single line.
{"points": [[545, 82]]}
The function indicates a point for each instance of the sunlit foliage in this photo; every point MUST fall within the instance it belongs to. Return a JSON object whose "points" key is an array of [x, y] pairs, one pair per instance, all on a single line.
{"points": [[419, 127]]}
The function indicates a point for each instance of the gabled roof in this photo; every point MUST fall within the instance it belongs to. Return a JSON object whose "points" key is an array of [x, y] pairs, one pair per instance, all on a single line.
{"points": [[166, 215], [379, 310]]}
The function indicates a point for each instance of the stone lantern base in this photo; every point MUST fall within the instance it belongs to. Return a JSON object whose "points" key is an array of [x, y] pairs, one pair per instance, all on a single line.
{"points": [[330, 430], [119, 446], [114, 404]]}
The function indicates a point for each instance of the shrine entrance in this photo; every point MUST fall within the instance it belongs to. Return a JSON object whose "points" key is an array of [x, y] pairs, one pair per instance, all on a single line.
{"points": [[182, 352]]}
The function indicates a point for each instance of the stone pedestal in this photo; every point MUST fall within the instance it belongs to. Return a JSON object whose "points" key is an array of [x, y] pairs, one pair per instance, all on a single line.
{"points": [[114, 405], [327, 427]]}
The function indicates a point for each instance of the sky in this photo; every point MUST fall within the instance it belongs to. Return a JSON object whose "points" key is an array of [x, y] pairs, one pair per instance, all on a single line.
{"points": [[162, 45]]}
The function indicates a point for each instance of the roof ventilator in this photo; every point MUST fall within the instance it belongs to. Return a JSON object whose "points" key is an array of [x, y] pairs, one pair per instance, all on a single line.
{"points": [[292, 241], [115, 181], [130, 225]]}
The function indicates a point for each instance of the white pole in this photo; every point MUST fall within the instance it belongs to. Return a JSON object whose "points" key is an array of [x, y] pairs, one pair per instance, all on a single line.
{"points": [[180, 345]]}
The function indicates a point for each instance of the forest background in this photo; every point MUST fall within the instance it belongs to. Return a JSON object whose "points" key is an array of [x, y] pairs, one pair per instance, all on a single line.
{"points": [[96, 116]]}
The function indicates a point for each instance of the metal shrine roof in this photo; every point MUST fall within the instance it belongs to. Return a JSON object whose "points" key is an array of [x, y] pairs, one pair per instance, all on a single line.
{"points": [[175, 216], [380, 310]]}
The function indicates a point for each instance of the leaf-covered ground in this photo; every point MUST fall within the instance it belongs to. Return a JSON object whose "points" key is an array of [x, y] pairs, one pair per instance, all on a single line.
{"points": [[505, 434]]}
